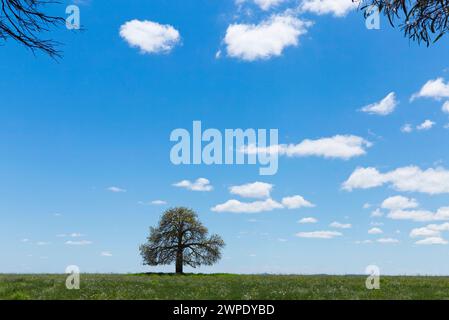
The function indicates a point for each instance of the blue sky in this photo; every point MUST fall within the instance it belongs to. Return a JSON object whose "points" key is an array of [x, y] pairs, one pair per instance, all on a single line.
{"points": [[101, 117]]}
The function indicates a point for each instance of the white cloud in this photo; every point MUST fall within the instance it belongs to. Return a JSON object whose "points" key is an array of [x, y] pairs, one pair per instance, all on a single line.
{"points": [[364, 241], [339, 225], [424, 232], [116, 189], [383, 107], [411, 179], [252, 190], [269, 204], [364, 178], [339, 146], [295, 202], [407, 128], [377, 213], [236, 206], [431, 240], [420, 215], [149, 36], [399, 202], [435, 89], [366, 205], [201, 184], [159, 202], [426, 125], [78, 243], [106, 254], [375, 231], [319, 234], [338, 8], [445, 107], [268, 4], [308, 220], [42, 243], [431, 234], [387, 240], [264, 40], [25, 240]]}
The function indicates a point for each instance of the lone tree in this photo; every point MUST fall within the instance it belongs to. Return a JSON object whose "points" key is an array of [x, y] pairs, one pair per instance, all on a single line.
{"points": [[25, 21], [421, 20], [180, 237]]}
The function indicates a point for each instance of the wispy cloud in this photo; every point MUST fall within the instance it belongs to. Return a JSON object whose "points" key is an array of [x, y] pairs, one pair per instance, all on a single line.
{"points": [[319, 234], [116, 189], [384, 107], [340, 146], [201, 184]]}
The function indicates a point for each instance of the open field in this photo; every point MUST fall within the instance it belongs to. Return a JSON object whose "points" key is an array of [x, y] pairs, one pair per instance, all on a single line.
{"points": [[220, 286]]}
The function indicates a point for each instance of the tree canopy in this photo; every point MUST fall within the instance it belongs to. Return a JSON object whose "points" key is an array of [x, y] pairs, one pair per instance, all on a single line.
{"points": [[181, 238], [421, 20]]}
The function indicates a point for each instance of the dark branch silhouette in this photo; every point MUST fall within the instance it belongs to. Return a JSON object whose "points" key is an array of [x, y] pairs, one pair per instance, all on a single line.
{"points": [[421, 20], [24, 21]]}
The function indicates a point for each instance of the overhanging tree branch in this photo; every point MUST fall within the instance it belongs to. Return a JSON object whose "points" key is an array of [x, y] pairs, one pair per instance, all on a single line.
{"points": [[421, 20], [24, 21]]}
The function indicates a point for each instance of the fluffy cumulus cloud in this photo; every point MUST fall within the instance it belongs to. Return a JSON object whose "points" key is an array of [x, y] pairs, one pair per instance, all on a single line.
{"points": [[426, 125], [252, 190], [236, 206], [339, 146], [375, 231], [307, 220], [398, 203], [200, 184], [339, 225], [150, 37], [319, 234], [338, 8], [435, 89], [411, 179], [431, 230], [264, 40], [296, 202], [268, 4], [431, 234], [383, 107], [403, 208]]}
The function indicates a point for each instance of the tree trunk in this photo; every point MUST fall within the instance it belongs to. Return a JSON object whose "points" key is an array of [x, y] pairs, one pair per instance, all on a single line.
{"points": [[179, 262]]}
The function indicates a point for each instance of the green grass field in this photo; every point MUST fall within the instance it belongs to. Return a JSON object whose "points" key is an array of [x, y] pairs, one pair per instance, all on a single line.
{"points": [[220, 286]]}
